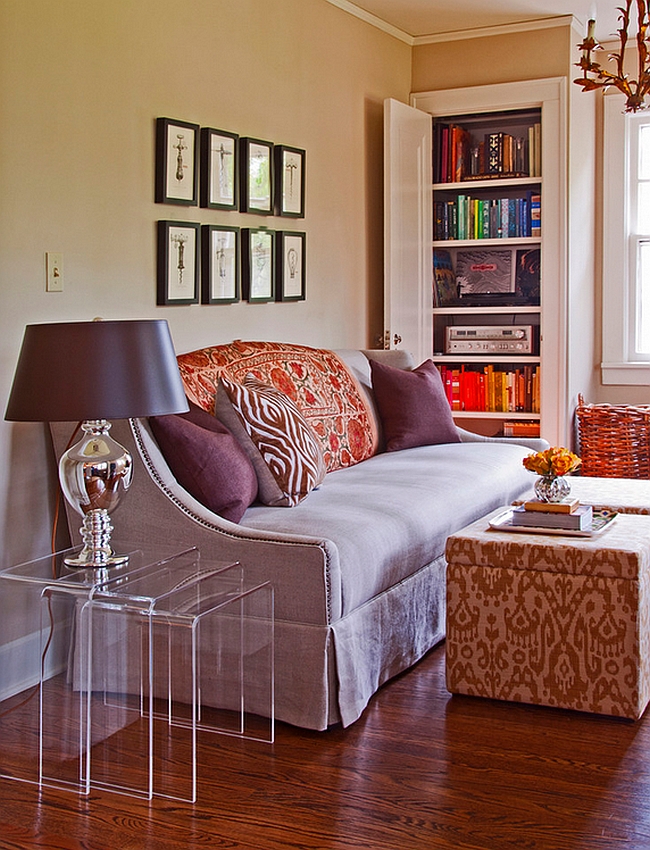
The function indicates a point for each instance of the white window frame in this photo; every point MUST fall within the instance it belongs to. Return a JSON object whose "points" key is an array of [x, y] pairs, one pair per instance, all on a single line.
{"points": [[621, 364]]}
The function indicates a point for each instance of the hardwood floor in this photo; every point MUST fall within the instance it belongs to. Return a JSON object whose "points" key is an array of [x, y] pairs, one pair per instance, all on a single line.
{"points": [[421, 769]]}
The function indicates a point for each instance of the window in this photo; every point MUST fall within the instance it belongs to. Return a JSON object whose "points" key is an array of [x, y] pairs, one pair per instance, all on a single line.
{"points": [[639, 132], [626, 245]]}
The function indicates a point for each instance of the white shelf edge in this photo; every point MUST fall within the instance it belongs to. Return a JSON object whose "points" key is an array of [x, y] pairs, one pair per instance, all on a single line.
{"points": [[495, 414], [485, 243], [490, 311], [469, 359], [503, 183]]}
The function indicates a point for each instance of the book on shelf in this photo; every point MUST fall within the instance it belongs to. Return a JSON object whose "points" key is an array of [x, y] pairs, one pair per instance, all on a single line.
{"points": [[535, 149], [521, 429], [527, 274], [506, 154], [578, 520], [535, 214], [445, 288], [566, 506]]}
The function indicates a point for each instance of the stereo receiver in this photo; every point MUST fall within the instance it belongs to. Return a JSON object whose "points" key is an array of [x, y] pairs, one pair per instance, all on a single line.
{"points": [[491, 339]]}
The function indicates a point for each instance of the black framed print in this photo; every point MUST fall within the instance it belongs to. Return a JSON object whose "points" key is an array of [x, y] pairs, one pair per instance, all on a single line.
{"points": [[178, 262], [220, 264], [291, 262], [290, 178], [258, 279], [256, 158], [219, 169], [176, 162]]}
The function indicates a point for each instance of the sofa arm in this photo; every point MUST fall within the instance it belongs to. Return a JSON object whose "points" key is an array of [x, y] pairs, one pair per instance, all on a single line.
{"points": [[535, 444]]}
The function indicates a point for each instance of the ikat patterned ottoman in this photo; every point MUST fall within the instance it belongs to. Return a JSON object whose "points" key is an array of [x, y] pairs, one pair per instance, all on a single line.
{"points": [[551, 620]]}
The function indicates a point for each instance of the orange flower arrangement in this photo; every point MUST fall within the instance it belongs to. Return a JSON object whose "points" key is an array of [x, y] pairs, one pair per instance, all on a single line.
{"points": [[555, 462]]}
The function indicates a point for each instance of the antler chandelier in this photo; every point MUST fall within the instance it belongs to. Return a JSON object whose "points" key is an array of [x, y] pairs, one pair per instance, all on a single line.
{"points": [[595, 77]]}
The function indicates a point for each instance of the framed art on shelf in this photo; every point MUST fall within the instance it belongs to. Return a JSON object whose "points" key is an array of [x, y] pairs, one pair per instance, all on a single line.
{"points": [[258, 280], [176, 162], [219, 169], [482, 271], [256, 168], [290, 177], [290, 254], [220, 264], [178, 262]]}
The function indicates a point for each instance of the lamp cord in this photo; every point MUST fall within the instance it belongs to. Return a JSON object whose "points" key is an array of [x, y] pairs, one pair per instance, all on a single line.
{"points": [[57, 505], [55, 522]]}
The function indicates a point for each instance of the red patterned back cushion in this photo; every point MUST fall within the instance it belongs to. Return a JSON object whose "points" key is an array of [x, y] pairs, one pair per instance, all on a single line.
{"points": [[316, 380]]}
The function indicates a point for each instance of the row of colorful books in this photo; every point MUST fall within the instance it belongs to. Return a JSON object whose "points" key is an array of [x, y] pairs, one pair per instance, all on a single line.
{"points": [[464, 217], [491, 389], [459, 156]]}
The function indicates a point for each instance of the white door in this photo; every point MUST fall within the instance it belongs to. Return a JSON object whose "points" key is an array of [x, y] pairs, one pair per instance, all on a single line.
{"points": [[408, 234]]}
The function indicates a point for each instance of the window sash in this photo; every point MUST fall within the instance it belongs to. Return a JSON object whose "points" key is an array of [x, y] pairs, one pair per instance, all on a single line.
{"points": [[638, 158], [626, 246]]}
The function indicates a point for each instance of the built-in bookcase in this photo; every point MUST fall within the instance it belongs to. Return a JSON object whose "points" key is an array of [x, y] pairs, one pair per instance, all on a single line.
{"points": [[489, 266], [487, 232]]}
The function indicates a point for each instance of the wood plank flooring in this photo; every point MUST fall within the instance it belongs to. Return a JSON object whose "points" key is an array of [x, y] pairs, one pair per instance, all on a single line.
{"points": [[421, 770]]}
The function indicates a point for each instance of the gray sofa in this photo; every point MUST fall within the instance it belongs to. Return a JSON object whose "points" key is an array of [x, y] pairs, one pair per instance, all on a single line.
{"points": [[358, 566]]}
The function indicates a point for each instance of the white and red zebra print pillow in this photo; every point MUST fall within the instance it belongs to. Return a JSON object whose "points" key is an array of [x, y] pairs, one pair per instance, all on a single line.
{"points": [[283, 448]]}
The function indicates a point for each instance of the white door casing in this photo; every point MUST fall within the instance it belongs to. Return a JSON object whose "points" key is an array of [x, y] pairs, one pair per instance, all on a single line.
{"points": [[408, 233]]}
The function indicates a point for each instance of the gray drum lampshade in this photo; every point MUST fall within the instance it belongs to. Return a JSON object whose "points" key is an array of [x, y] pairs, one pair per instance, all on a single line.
{"points": [[73, 371]]}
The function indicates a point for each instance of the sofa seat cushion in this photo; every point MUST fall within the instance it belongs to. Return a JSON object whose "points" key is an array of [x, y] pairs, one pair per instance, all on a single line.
{"points": [[392, 514], [316, 380]]}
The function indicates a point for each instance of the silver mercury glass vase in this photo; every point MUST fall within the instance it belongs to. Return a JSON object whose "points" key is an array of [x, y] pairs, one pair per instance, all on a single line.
{"points": [[552, 488]]}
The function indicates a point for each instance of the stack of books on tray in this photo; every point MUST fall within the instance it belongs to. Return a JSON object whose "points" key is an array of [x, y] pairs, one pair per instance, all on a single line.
{"points": [[568, 514]]}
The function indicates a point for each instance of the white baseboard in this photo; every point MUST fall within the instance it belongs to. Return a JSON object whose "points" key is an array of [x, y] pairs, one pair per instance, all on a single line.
{"points": [[20, 663]]}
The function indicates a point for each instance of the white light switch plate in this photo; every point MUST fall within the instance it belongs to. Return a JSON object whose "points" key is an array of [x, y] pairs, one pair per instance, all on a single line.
{"points": [[54, 271]]}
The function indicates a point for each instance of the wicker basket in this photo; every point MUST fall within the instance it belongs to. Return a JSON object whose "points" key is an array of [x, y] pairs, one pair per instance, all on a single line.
{"points": [[614, 440]]}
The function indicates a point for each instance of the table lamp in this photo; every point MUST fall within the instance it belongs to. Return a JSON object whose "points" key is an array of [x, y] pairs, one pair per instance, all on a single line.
{"points": [[90, 372]]}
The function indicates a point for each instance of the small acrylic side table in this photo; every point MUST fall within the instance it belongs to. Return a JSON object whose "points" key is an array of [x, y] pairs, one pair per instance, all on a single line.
{"points": [[132, 664]]}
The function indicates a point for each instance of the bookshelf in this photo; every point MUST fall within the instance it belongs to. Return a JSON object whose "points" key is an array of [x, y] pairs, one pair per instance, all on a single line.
{"points": [[557, 311], [487, 201]]}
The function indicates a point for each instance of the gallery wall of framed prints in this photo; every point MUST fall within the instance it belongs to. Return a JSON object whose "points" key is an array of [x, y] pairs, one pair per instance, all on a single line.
{"points": [[217, 263]]}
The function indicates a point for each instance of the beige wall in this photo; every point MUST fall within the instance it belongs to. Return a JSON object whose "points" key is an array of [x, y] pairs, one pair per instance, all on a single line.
{"points": [[82, 83], [492, 59]]}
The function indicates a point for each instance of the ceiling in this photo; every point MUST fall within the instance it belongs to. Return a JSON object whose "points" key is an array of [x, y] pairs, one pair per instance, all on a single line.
{"points": [[429, 17]]}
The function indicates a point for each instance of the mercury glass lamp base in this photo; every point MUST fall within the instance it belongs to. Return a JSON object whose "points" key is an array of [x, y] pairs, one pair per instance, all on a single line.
{"points": [[97, 552]]}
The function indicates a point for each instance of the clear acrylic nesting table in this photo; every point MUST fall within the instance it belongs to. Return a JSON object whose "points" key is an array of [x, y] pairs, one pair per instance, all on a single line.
{"points": [[127, 665]]}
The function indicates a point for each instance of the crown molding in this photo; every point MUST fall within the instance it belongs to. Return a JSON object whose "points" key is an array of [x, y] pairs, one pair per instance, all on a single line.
{"points": [[503, 29], [454, 35], [373, 20]]}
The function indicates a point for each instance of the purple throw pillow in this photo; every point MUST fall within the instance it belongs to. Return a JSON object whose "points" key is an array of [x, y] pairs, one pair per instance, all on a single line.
{"points": [[413, 407], [207, 461]]}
